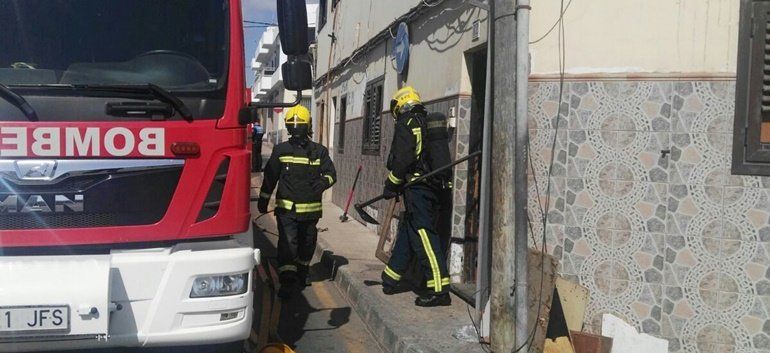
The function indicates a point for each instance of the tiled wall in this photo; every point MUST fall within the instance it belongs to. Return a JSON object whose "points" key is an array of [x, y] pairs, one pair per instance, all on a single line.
{"points": [[669, 241]]}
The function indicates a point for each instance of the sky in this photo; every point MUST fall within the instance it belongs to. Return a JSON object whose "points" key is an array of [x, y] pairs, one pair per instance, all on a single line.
{"points": [[255, 10]]}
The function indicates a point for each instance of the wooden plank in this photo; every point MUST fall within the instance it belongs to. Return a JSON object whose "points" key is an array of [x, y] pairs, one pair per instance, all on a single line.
{"points": [[560, 345], [574, 300], [387, 239], [542, 270]]}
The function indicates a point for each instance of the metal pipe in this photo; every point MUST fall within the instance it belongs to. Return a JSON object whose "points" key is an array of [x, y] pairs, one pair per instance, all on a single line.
{"points": [[520, 175], [484, 251]]}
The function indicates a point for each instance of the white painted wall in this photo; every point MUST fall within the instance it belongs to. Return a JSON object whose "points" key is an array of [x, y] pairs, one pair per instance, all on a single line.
{"points": [[638, 36], [439, 40]]}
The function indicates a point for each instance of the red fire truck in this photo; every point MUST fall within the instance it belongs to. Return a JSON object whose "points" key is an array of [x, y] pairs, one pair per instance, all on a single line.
{"points": [[124, 172]]}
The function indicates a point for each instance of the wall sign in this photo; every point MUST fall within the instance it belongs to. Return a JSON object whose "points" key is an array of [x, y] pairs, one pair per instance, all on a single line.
{"points": [[401, 48]]}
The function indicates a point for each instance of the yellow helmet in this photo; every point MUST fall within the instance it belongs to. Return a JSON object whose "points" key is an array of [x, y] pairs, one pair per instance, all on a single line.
{"points": [[297, 115], [404, 100]]}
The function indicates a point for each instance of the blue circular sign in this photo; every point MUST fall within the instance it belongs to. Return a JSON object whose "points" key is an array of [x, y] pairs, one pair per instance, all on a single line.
{"points": [[401, 48]]}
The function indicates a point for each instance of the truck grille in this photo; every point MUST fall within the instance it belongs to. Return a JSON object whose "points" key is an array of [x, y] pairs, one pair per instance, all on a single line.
{"points": [[113, 196]]}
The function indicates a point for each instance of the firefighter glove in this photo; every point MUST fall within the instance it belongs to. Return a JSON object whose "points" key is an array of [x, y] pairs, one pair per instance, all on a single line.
{"points": [[389, 192], [262, 205]]}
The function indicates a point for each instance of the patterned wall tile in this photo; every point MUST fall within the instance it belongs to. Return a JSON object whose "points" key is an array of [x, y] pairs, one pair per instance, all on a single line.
{"points": [[541, 149], [576, 250], [554, 240], [583, 150], [543, 106], [641, 156], [673, 244], [703, 107], [695, 210], [541, 198], [698, 158]]}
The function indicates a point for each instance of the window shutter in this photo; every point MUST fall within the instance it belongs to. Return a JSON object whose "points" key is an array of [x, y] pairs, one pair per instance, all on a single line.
{"points": [[751, 140], [372, 121], [764, 29]]}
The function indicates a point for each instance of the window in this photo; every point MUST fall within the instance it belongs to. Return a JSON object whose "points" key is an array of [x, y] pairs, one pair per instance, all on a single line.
{"points": [[751, 140], [180, 45], [372, 118], [321, 14], [343, 116], [272, 65]]}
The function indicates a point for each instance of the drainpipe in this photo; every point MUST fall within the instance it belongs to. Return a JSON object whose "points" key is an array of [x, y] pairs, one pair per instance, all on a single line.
{"points": [[520, 173]]}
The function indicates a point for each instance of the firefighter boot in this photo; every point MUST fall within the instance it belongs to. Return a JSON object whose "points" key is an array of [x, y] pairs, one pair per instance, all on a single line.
{"points": [[430, 300], [391, 287], [303, 277], [288, 285]]}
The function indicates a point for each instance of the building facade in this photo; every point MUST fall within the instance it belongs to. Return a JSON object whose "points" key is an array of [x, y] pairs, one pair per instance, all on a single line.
{"points": [[268, 82], [644, 210]]}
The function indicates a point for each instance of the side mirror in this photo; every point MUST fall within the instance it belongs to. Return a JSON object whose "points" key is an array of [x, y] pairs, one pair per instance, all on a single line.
{"points": [[297, 74], [247, 115], [292, 27]]}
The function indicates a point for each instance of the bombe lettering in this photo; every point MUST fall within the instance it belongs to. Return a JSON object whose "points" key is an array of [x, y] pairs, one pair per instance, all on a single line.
{"points": [[81, 142]]}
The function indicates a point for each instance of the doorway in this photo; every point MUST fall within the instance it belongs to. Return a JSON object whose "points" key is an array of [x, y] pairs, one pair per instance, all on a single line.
{"points": [[477, 67]]}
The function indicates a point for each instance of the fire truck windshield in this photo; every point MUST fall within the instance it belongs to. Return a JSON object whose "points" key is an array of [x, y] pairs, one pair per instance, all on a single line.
{"points": [[180, 45]]}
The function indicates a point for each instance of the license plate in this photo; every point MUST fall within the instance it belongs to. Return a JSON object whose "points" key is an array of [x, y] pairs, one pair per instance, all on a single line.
{"points": [[34, 320]]}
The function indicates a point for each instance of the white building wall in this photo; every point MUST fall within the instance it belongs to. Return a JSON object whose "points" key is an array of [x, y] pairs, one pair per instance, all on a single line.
{"points": [[638, 36]]}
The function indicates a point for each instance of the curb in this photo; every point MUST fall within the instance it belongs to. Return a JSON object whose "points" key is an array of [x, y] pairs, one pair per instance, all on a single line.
{"points": [[386, 325]]}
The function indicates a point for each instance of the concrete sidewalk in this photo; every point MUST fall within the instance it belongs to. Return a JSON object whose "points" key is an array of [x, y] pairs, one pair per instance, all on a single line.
{"points": [[347, 249]]}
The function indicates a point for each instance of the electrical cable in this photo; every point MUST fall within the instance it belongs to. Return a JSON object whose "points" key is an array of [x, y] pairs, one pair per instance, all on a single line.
{"points": [[262, 229], [260, 23], [554, 25], [476, 326], [376, 40]]}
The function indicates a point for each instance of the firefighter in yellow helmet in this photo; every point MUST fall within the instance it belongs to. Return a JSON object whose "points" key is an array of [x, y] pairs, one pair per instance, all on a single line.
{"points": [[410, 157], [305, 171]]}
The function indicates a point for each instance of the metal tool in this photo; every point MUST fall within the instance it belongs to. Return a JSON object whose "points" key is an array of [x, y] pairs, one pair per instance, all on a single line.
{"points": [[344, 217], [369, 219]]}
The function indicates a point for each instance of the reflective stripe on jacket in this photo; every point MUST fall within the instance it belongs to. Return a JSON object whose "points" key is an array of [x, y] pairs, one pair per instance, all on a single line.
{"points": [[406, 151], [299, 169]]}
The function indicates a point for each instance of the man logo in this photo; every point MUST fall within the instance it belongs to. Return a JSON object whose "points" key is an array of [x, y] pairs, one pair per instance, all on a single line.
{"points": [[35, 169]]}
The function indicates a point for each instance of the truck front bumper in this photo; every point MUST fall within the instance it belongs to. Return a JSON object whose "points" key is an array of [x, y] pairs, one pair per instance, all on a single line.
{"points": [[148, 300]]}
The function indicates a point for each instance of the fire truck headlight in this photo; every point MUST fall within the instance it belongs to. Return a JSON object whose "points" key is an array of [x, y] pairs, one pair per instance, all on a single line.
{"points": [[219, 286]]}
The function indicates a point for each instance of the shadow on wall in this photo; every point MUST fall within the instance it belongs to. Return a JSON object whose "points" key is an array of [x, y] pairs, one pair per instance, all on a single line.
{"points": [[442, 31]]}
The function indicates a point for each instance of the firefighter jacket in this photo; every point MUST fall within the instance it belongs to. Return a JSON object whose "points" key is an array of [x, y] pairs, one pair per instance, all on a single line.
{"points": [[406, 151], [302, 171]]}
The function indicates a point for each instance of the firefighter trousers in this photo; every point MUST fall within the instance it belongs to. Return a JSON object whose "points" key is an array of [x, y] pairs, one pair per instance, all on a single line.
{"points": [[417, 237], [296, 245]]}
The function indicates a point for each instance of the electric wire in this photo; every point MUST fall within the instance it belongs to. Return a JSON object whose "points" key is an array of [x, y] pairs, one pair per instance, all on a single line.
{"points": [[376, 40], [554, 25], [484, 345]]}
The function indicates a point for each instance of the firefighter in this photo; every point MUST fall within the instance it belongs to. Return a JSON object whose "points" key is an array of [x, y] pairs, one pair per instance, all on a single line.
{"points": [[305, 171], [410, 157]]}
